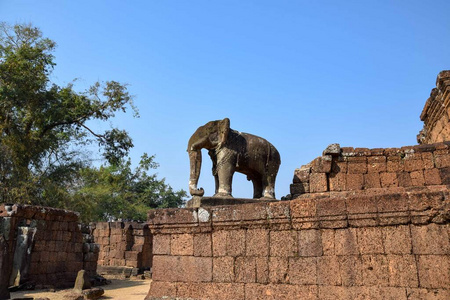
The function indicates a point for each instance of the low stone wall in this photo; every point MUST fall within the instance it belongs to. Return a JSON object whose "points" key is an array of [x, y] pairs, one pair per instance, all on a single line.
{"points": [[373, 244], [123, 244], [42, 245], [352, 169], [436, 113]]}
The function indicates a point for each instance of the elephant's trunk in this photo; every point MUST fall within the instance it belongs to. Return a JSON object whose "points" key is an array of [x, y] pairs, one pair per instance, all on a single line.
{"points": [[195, 159]]}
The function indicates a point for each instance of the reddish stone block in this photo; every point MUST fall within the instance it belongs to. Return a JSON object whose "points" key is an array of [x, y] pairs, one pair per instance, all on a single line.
{"points": [[219, 240], [262, 269], [389, 179], [299, 188], [434, 271], [202, 244], [283, 243], [219, 291], [321, 165], [417, 178], [309, 243], [345, 242], [428, 294], [394, 165], [338, 182], [318, 182], [245, 269], [331, 207], [357, 165], [350, 267], [430, 239], [375, 270], [327, 241], [339, 166], [445, 175], [392, 202], [376, 164], [372, 180], [428, 160], [182, 268], [162, 289], [413, 163], [397, 239], [223, 269], [432, 177], [404, 179], [442, 161], [171, 216], [370, 240], [236, 242], [303, 208], [328, 271], [278, 269], [279, 291], [402, 271], [354, 182], [361, 205], [182, 244], [303, 270], [301, 175], [257, 242]]}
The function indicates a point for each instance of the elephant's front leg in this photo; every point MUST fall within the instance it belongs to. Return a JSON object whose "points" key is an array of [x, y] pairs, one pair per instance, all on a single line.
{"points": [[226, 166]]}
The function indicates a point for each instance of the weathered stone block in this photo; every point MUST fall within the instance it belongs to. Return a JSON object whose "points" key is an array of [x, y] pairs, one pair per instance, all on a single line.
{"points": [[223, 269], [318, 182], [262, 269], [309, 243], [257, 242], [372, 180], [350, 267], [346, 242], [219, 240], [328, 271], [283, 243], [236, 242], [327, 236], [430, 239], [202, 244], [389, 180], [432, 177], [337, 182], [182, 244], [354, 181], [417, 178], [402, 271], [397, 239], [279, 291], [375, 270], [434, 271], [376, 164], [303, 270], [278, 269], [370, 240], [245, 269]]}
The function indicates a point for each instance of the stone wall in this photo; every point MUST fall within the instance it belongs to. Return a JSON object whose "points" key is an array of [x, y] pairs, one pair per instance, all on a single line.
{"points": [[370, 244], [123, 244], [42, 245], [353, 169], [436, 113]]}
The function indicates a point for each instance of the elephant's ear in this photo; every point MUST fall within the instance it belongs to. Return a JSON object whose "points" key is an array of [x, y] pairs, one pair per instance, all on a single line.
{"points": [[224, 129]]}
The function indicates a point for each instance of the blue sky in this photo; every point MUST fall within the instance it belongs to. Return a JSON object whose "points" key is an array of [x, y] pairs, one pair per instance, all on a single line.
{"points": [[302, 74]]}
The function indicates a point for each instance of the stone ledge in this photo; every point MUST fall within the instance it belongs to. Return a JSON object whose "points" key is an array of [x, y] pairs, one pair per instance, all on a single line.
{"points": [[196, 201]]}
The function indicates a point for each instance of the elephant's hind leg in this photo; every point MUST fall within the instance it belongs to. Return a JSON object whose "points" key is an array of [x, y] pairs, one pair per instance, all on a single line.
{"points": [[269, 187], [257, 188]]}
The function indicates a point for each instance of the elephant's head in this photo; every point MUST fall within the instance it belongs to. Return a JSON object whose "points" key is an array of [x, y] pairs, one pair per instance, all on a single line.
{"points": [[209, 136]]}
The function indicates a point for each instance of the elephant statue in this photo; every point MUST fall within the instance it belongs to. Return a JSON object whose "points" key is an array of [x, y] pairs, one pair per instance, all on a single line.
{"points": [[233, 151]]}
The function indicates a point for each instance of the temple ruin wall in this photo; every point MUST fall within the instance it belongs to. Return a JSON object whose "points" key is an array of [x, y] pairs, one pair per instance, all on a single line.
{"points": [[358, 245]]}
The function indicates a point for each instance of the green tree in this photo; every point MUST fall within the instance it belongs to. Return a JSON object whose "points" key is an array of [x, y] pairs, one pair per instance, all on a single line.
{"points": [[119, 192], [45, 127], [43, 124]]}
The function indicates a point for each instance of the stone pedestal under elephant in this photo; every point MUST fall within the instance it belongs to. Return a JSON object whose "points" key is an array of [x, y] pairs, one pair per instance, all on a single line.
{"points": [[233, 151]]}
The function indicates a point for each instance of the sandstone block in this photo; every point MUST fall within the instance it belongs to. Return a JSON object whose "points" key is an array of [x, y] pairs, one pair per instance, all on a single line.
{"points": [[350, 267], [309, 243], [236, 242], [432, 177], [223, 269], [397, 239], [345, 242], [278, 269], [430, 239], [161, 244], [434, 271], [303, 270], [338, 182], [219, 240], [162, 289], [262, 269], [318, 182], [417, 178], [389, 179], [257, 242], [328, 271], [354, 181], [402, 271], [327, 237], [370, 240], [376, 164], [245, 269], [375, 270], [283, 243], [202, 244], [372, 180], [182, 244]]}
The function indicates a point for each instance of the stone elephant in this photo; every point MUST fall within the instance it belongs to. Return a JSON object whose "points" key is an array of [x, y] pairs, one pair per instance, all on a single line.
{"points": [[233, 151]]}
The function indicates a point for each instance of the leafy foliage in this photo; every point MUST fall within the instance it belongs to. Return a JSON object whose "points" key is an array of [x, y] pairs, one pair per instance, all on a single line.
{"points": [[44, 127]]}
